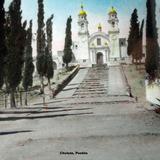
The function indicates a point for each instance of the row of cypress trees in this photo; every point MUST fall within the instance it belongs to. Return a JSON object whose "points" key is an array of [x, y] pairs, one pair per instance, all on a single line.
{"points": [[135, 43], [15, 44], [44, 47], [135, 46], [16, 49]]}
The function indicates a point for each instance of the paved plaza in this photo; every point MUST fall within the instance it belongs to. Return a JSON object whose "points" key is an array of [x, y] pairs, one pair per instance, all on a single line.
{"points": [[93, 118]]}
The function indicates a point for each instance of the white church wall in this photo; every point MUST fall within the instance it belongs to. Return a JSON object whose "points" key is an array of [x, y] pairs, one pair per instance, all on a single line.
{"points": [[104, 42], [114, 46]]}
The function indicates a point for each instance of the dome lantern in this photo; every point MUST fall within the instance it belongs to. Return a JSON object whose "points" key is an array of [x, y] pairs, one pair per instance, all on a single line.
{"points": [[112, 11], [82, 11], [100, 27]]}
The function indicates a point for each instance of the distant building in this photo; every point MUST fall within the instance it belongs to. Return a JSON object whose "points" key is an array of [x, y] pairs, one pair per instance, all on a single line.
{"points": [[99, 47]]}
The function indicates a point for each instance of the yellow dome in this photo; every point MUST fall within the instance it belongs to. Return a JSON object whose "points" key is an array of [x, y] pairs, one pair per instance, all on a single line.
{"points": [[82, 12], [112, 11]]}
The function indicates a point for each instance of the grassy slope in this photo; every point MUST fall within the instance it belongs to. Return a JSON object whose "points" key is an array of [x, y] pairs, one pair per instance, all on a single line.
{"points": [[136, 81]]}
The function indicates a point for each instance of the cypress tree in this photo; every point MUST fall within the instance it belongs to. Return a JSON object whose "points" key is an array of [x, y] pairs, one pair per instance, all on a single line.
{"points": [[67, 57], [2, 42], [152, 48], [133, 35], [41, 63], [140, 49], [7, 35], [48, 51], [15, 47], [28, 65]]}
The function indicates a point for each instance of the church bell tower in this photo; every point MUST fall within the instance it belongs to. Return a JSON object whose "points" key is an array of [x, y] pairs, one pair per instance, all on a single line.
{"points": [[83, 37], [114, 34]]}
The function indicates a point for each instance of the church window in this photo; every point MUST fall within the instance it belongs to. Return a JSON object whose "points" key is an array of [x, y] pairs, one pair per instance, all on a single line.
{"points": [[99, 41], [82, 25]]}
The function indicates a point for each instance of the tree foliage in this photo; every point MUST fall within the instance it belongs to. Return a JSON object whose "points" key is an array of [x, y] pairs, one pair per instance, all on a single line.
{"points": [[67, 58], [2, 42], [41, 59], [152, 48], [41, 40], [135, 39], [28, 65], [15, 46], [48, 51], [133, 35], [139, 54]]}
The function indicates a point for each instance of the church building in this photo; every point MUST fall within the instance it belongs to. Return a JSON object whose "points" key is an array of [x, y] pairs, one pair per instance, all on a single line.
{"points": [[101, 47]]}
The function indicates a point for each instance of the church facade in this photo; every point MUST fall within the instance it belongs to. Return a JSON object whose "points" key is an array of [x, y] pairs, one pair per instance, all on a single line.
{"points": [[100, 47]]}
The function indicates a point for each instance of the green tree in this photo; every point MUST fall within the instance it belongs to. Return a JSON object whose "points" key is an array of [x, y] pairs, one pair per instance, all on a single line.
{"points": [[140, 43], [67, 57], [48, 51], [152, 48], [28, 64], [15, 47], [133, 36], [41, 64], [7, 37], [2, 42]]}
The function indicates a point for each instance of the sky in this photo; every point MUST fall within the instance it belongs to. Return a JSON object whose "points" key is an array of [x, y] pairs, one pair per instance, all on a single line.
{"points": [[97, 12]]}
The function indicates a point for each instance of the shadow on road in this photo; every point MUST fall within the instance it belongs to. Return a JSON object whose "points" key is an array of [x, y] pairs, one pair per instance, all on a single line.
{"points": [[38, 108], [37, 104], [42, 116], [14, 132], [42, 111]]}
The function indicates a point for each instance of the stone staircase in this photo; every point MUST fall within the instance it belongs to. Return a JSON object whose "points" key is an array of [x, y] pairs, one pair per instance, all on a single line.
{"points": [[94, 84]]}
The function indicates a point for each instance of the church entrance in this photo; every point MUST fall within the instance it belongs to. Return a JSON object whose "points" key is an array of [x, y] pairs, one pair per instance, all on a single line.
{"points": [[99, 58]]}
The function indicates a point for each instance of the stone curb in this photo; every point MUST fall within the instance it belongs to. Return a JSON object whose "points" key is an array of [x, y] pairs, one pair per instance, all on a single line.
{"points": [[60, 86]]}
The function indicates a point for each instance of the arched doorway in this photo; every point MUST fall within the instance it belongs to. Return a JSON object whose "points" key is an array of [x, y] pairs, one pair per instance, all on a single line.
{"points": [[100, 58]]}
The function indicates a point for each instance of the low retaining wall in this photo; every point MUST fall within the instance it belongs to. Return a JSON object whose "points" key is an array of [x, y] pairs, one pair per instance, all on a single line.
{"points": [[128, 87], [153, 92], [66, 81]]}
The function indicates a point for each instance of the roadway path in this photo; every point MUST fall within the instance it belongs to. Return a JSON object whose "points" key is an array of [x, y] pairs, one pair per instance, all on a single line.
{"points": [[69, 90], [105, 125], [117, 84]]}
